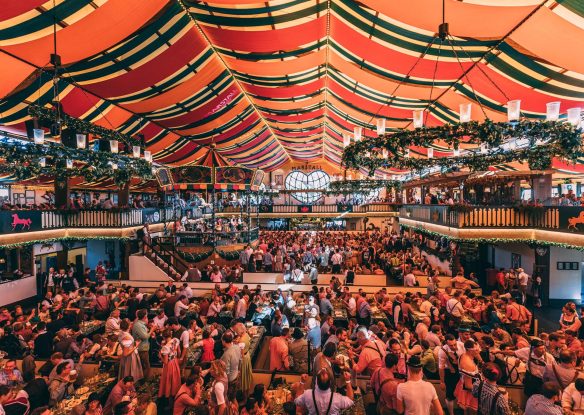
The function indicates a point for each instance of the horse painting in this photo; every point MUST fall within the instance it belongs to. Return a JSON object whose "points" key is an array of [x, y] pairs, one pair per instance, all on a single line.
{"points": [[18, 221]]}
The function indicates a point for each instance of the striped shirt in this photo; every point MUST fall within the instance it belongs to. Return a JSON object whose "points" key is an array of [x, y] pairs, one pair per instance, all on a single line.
{"points": [[488, 391]]}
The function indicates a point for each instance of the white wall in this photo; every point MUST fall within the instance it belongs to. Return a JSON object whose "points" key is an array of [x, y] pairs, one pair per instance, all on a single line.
{"points": [[141, 268], [15, 291], [565, 285], [503, 256]]}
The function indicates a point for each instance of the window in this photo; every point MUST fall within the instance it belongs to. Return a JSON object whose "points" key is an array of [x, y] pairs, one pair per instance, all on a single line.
{"points": [[315, 180]]}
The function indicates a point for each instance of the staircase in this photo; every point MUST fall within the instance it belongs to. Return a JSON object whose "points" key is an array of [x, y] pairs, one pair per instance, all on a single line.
{"points": [[163, 254]]}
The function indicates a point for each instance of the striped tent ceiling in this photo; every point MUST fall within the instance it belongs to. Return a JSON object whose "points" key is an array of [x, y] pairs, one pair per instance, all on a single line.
{"points": [[280, 81]]}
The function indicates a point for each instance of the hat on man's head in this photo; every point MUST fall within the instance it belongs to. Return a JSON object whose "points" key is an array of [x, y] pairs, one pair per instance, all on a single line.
{"points": [[537, 342]]}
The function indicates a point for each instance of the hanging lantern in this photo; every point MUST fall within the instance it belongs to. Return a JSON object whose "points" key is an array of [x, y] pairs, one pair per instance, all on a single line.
{"points": [[114, 165], [465, 112], [81, 140], [154, 171], [380, 126], [408, 153], [69, 164], [384, 153], [574, 116], [42, 162], [418, 118], [514, 110], [430, 153], [357, 131], [484, 148], [136, 151], [456, 152], [552, 111], [114, 146], [39, 135], [346, 139]]}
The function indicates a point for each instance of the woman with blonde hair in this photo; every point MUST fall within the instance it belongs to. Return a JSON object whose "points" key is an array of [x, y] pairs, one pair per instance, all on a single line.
{"points": [[170, 380], [130, 364], [246, 369], [218, 391]]}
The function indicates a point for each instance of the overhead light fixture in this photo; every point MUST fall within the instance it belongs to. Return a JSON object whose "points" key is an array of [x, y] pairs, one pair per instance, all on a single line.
{"points": [[552, 111], [42, 162], [574, 116], [465, 112], [357, 131], [136, 151], [418, 118], [380, 126], [69, 164], [514, 110], [81, 140], [39, 135], [147, 156], [114, 146], [430, 152], [456, 152], [346, 139]]}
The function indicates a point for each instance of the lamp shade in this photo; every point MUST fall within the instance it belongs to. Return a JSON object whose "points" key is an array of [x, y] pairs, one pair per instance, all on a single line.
{"points": [[357, 131], [81, 140], [384, 153], [484, 148], [456, 152], [114, 146], [430, 153], [136, 151], [380, 126], [114, 166], [147, 156], [42, 162], [552, 111], [346, 139], [418, 118], [465, 112], [513, 110], [574, 116], [39, 135], [408, 153], [69, 164]]}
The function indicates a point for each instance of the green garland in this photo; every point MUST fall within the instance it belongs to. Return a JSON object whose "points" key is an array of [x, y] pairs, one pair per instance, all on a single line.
{"points": [[531, 242], [360, 186], [63, 240], [229, 255], [195, 257], [21, 159], [80, 126], [562, 140]]}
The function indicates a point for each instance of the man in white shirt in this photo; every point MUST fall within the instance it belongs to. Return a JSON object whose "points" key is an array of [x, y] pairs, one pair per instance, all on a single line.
{"points": [[537, 358], [410, 280], [112, 325], [322, 400], [181, 304], [241, 311], [454, 307], [186, 291], [416, 396], [572, 402], [522, 280]]}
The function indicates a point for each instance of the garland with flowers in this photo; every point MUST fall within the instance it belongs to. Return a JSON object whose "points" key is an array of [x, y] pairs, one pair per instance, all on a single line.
{"points": [[21, 159], [360, 186], [495, 241], [80, 126], [558, 139], [64, 240]]}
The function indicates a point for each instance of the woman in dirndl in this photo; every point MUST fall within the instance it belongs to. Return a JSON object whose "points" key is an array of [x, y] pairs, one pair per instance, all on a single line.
{"points": [[469, 373], [170, 380]]}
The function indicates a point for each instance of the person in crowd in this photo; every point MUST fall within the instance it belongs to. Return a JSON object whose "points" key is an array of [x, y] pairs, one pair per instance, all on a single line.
{"points": [[188, 396], [416, 396], [321, 399], [124, 389], [231, 358], [384, 386], [130, 364], [544, 403], [170, 380]]}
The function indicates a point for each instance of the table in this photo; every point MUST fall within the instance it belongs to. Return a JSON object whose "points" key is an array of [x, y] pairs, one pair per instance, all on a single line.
{"points": [[378, 315], [91, 326], [101, 383]]}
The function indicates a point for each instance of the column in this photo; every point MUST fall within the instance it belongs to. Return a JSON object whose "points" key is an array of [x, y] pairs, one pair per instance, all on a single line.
{"points": [[61, 192], [124, 195]]}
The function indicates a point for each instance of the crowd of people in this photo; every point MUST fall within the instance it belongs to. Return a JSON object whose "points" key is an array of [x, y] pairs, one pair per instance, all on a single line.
{"points": [[405, 347]]}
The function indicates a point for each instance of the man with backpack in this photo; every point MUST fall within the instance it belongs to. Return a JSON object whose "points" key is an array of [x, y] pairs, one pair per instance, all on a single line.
{"points": [[492, 401]]}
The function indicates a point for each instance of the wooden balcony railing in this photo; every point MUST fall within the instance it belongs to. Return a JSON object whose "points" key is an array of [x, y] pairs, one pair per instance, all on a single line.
{"points": [[557, 218]]}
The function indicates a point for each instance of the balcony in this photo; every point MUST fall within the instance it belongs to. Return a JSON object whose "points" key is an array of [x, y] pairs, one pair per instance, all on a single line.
{"points": [[270, 210], [548, 223], [18, 221]]}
